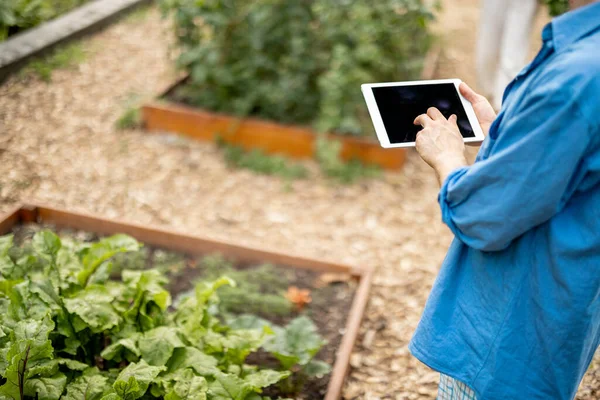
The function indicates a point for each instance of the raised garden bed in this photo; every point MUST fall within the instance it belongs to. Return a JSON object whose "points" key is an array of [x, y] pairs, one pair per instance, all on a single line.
{"points": [[274, 138], [183, 259]]}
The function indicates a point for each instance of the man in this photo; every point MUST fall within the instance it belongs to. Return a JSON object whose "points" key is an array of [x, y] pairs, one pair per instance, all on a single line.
{"points": [[515, 310], [505, 30]]}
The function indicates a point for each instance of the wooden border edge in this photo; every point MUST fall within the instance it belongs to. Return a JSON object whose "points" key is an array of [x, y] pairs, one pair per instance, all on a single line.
{"points": [[355, 317], [294, 141], [10, 218], [186, 243]]}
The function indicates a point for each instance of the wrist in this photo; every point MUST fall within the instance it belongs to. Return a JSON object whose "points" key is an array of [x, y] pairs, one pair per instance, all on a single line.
{"points": [[450, 161], [446, 165]]}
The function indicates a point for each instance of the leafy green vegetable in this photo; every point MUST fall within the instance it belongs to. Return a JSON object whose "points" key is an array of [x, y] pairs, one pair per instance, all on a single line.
{"points": [[51, 367], [123, 349], [157, 345], [92, 308], [67, 331], [46, 388], [6, 242], [134, 380], [29, 348], [150, 298], [317, 368], [101, 251], [248, 321], [227, 386], [46, 244], [297, 343], [187, 386], [89, 386], [192, 358], [264, 378]]}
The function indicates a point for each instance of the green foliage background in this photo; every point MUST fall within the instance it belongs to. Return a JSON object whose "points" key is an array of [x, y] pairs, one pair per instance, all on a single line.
{"points": [[22, 14], [557, 7], [297, 61]]}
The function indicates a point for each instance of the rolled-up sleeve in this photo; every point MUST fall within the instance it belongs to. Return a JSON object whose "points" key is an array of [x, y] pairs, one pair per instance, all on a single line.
{"points": [[534, 165]]}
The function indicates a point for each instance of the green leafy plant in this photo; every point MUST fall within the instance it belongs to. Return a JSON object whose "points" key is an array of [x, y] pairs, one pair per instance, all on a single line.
{"points": [[129, 119], [294, 346], [69, 332], [18, 15], [259, 291], [61, 58], [327, 153], [131, 116], [259, 162], [297, 61], [557, 7]]}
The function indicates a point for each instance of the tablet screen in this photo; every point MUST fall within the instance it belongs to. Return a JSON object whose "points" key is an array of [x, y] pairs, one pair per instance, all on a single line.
{"points": [[400, 105]]}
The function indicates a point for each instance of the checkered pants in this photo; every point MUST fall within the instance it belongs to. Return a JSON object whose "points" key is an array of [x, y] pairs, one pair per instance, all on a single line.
{"points": [[451, 389]]}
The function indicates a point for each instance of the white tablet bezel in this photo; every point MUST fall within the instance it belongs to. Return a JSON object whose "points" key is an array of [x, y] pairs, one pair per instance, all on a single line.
{"points": [[382, 135]]}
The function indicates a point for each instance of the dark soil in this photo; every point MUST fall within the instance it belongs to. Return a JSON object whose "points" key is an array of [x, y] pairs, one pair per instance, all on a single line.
{"points": [[329, 308]]}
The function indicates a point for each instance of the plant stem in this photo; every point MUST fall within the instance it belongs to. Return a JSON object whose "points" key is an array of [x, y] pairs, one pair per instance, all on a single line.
{"points": [[22, 374]]}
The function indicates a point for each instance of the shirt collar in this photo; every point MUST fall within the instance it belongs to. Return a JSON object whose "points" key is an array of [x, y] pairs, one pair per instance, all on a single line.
{"points": [[572, 26]]}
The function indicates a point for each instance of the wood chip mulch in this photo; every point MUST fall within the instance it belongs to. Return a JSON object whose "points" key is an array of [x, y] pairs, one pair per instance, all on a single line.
{"points": [[58, 145]]}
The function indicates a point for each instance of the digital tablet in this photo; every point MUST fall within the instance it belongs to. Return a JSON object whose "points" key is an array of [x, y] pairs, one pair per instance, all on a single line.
{"points": [[394, 106]]}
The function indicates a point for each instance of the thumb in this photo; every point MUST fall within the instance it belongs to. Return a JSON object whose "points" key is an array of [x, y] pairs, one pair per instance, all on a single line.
{"points": [[468, 93]]}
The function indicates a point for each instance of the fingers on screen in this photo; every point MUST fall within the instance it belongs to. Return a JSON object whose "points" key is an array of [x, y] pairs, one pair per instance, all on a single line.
{"points": [[434, 113], [422, 120], [453, 120]]}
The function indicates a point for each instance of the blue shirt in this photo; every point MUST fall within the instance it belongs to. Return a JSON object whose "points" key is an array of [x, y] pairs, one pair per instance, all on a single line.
{"points": [[515, 310]]}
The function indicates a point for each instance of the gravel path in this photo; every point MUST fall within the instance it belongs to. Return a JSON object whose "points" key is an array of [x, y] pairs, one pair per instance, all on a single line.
{"points": [[58, 146]]}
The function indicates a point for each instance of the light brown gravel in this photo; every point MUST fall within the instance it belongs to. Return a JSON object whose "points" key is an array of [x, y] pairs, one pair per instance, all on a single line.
{"points": [[58, 146]]}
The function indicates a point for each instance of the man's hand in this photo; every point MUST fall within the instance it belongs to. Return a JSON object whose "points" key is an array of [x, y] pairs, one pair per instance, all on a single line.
{"points": [[440, 143], [483, 109]]}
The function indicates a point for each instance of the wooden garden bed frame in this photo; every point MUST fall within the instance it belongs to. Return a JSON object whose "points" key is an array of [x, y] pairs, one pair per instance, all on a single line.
{"points": [[271, 137], [196, 245]]}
